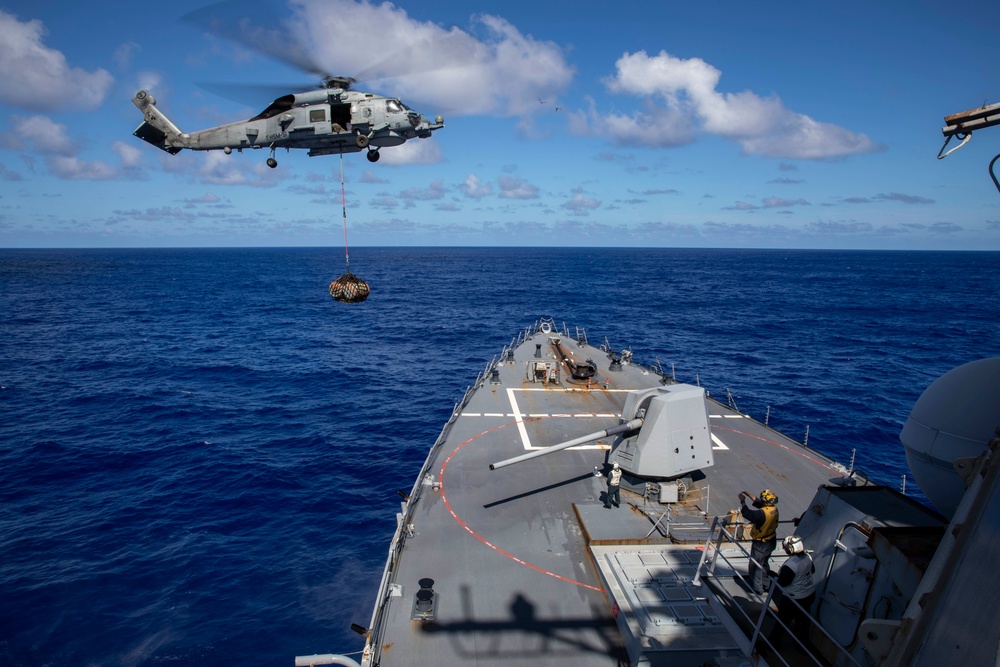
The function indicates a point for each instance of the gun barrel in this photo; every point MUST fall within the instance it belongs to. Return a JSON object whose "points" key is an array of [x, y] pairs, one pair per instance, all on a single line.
{"points": [[614, 430]]}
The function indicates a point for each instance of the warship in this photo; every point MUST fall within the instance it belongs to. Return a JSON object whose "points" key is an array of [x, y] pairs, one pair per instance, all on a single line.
{"points": [[507, 552], [509, 548]]}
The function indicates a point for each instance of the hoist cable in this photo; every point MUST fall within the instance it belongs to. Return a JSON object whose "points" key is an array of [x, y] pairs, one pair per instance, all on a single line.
{"points": [[348, 288], [343, 204]]}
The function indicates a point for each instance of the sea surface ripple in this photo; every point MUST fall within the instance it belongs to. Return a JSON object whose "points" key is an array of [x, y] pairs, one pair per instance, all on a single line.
{"points": [[200, 450]]}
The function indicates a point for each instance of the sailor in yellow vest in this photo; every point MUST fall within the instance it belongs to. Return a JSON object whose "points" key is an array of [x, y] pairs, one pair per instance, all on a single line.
{"points": [[614, 484], [763, 536]]}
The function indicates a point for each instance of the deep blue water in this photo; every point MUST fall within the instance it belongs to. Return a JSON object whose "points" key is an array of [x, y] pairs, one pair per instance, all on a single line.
{"points": [[199, 449]]}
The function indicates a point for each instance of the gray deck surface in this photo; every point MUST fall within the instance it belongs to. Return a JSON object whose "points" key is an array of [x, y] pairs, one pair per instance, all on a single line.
{"points": [[507, 550]]}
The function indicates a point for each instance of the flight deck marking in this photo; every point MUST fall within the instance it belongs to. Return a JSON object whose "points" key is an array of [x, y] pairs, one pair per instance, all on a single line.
{"points": [[482, 539], [538, 415], [785, 447], [523, 432], [718, 443]]}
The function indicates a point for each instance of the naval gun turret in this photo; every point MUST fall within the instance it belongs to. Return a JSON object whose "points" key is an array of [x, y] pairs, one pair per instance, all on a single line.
{"points": [[663, 434]]}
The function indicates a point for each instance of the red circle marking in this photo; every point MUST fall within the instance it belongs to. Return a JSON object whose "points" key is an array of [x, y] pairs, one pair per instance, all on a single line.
{"points": [[482, 539], [778, 444]]}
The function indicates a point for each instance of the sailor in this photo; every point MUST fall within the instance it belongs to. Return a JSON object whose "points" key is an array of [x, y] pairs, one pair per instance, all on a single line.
{"points": [[614, 484], [763, 535], [796, 580]]}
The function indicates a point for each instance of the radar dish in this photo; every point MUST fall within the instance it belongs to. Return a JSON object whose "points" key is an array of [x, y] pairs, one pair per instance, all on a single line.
{"points": [[955, 418]]}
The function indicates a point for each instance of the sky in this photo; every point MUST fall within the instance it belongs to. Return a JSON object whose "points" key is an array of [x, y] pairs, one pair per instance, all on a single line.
{"points": [[635, 124]]}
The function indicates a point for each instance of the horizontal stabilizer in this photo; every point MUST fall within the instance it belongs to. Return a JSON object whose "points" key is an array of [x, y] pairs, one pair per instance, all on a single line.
{"points": [[155, 136], [157, 128]]}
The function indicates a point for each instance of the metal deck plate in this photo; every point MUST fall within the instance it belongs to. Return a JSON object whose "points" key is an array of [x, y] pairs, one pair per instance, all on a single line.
{"points": [[508, 550]]}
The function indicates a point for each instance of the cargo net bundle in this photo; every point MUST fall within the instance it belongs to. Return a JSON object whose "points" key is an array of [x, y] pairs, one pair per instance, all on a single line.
{"points": [[348, 288]]}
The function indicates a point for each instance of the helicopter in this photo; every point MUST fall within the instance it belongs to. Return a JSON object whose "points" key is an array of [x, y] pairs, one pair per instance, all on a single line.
{"points": [[333, 119]]}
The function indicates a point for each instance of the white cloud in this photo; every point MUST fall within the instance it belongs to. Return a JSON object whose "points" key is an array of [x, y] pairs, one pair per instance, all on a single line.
{"points": [[72, 168], [414, 151], [435, 190], [207, 198], [473, 188], [684, 92], [766, 202], [503, 72], [580, 204], [221, 169], [35, 77], [130, 156], [124, 53], [8, 175], [43, 135], [778, 202], [653, 126], [528, 129], [384, 201], [369, 176], [515, 187], [150, 81]]}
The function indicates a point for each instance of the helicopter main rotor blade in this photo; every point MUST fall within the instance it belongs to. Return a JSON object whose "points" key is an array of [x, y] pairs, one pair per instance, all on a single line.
{"points": [[254, 94], [240, 22], [243, 23]]}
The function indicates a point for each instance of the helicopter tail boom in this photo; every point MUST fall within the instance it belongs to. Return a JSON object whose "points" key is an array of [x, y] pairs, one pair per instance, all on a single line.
{"points": [[157, 129]]}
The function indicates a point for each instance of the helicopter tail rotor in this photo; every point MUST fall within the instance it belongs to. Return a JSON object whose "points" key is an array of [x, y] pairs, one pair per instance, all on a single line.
{"points": [[157, 129]]}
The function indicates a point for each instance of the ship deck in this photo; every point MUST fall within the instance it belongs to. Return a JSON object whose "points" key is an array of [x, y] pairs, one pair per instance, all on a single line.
{"points": [[514, 563]]}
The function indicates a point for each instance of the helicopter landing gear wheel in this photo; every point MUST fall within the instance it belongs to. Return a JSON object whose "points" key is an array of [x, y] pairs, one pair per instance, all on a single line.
{"points": [[373, 156], [272, 163], [362, 141]]}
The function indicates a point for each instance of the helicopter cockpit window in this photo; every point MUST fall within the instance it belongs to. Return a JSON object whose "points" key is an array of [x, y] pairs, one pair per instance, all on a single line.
{"points": [[280, 105], [393, 106]]}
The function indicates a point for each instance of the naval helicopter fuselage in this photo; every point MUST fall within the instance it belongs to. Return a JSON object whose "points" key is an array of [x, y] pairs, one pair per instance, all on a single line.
{"points": [[324, 122]]}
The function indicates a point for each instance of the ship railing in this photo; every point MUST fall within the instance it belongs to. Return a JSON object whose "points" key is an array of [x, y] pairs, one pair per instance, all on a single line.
{"points": [[712, 552], [481, 378], [373, 648], [732, 401]]}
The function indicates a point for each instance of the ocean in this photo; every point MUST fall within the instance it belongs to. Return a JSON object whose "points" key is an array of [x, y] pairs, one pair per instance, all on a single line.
{"points": [[200, 450]]}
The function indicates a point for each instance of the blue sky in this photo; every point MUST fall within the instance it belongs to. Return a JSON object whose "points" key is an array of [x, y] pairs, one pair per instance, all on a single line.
{"points": [[712, 124]]}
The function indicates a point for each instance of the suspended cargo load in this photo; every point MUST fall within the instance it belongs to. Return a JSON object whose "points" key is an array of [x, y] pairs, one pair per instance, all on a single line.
{"points": [[348, 288]]}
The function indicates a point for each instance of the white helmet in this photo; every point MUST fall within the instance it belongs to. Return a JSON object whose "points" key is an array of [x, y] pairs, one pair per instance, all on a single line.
{"points": [[615, 465], [793, 545]]}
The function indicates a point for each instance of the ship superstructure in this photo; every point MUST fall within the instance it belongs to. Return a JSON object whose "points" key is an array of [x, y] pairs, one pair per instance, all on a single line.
{"points": [[505, 551]]}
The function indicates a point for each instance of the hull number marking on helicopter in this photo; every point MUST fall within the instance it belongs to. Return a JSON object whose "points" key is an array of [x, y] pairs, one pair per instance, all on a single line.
{"points": [[276, 135]]}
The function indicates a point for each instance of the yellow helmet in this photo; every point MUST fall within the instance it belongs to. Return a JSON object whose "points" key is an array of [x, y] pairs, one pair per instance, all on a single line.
{"points": [[768, 498]]}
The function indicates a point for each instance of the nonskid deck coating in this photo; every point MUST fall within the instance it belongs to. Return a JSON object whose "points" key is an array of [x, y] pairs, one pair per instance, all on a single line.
{"points": [[512, 574]]}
